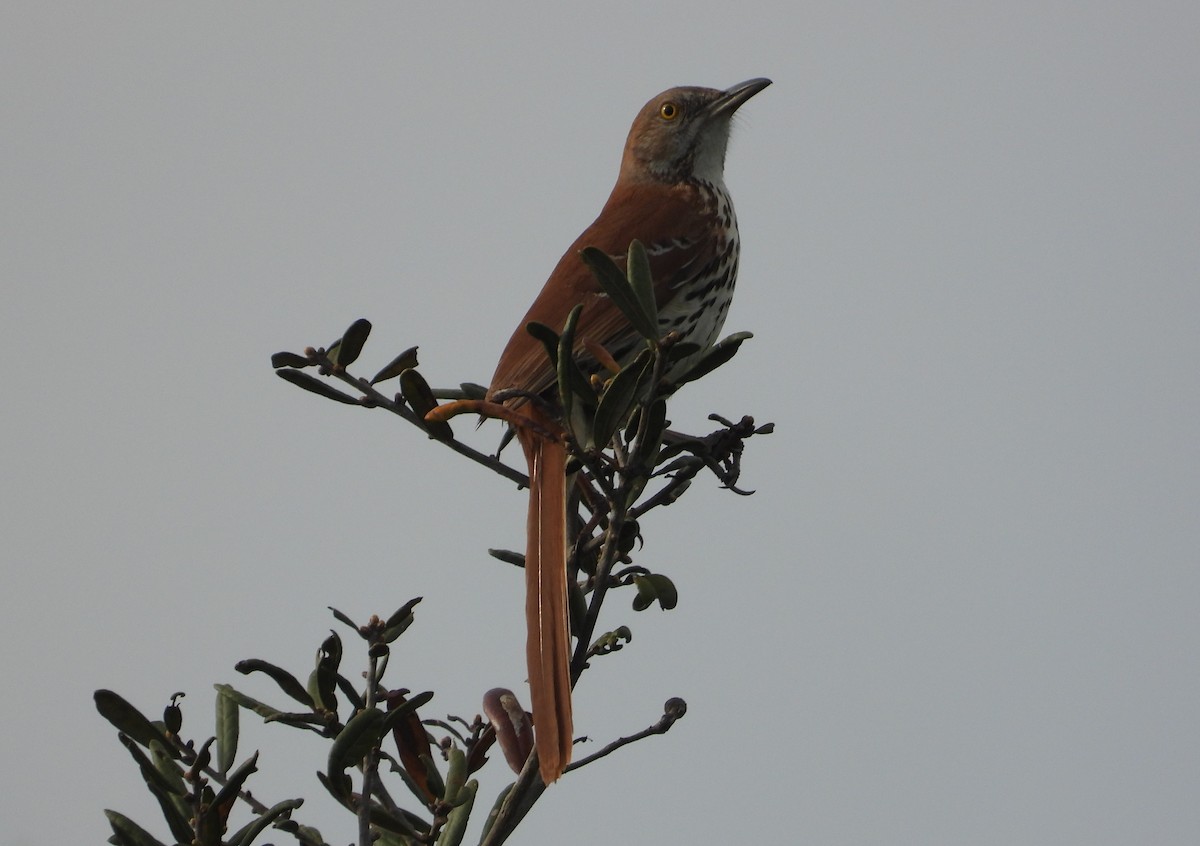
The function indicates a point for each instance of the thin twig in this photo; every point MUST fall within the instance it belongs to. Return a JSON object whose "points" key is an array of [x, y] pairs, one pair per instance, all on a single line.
{"points": [[673, 711]]}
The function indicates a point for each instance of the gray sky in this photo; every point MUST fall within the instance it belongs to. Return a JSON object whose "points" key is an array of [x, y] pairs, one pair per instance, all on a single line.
{"points": [[961, 607]]}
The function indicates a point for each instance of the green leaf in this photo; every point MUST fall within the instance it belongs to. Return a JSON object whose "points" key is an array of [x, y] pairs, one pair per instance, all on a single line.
{"points": [[150, 773], [177, 813], [645, 593], [576, 606], [456, 820], [168, 767], [339, 785], [664, 589], [618, 398], [246, 834], [316, 386], [355, 740], [307, 835], [229, 791], [637, 265], [456, 774], [289, 359], [433, 776], [262, 709], [507, 556], [352, 342], [322, 682], [614, 283], [128, 719], [343, 618], [286, 681], [473, 391], [129, 833], [548, 337], [226, 731], [651, 427], [654, 588], [407, 360], [399, 622], [409, 706], [720, 353], [420, 398], [568, 370]]}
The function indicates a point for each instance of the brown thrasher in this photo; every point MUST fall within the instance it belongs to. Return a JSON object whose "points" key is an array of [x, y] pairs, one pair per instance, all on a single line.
{"points": [[670, 195]]}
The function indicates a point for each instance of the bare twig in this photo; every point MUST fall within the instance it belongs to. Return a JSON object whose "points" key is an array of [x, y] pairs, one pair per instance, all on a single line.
{"points": [[673, 710]]}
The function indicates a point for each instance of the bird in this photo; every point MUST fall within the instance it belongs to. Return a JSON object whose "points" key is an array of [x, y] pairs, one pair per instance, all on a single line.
{"points": [[670, 195]]}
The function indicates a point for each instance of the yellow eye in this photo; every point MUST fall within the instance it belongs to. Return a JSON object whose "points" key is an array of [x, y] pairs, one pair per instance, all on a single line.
{"points": [[668, 111]]}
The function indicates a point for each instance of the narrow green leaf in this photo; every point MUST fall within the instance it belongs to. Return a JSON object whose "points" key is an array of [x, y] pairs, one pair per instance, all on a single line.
{"points": [[343, 618], [229, 791], [322, 682], [576, 606], [456, 820], [226, 731], [637, 265], [150, 773], [473, 391], [507, 556], [399, 622], [409, 706], [720, 353], [352, 342], [128, 719], [456, 774], [682, 350], [263, 710], [567, 368], [339, 785], [168, 767], [404, 612], [420, 398], [247, 833], [618, 398], [407, 360], [614, 283], [433, 776], [548, 337], [355, 740], [176, 812], [308, 835], [203, 757], [129, 833], [651, 427], [286, 681], [289, 359], [316, 386]]}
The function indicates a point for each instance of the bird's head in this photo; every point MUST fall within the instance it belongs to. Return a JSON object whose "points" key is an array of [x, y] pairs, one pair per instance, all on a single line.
{"points": [[682, 133]]}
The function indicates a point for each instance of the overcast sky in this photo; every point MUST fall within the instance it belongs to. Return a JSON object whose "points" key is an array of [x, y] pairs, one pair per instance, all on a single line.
{"points": [[961, 607]]}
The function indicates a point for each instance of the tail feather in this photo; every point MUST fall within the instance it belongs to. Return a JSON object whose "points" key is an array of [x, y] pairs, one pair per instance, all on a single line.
{"points": [[548, 647]]}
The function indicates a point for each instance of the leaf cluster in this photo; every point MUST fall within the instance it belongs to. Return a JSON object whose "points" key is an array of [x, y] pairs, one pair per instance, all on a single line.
{"points": [[626, 462]]}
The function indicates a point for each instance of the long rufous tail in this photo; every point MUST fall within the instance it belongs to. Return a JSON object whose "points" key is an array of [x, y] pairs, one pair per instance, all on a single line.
{"points": [[548, 647]]}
